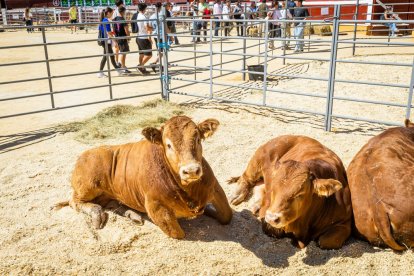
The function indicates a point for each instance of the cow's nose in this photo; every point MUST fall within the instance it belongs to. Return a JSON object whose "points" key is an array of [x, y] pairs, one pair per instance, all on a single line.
{"points": [[191, 171], [272, 218]]}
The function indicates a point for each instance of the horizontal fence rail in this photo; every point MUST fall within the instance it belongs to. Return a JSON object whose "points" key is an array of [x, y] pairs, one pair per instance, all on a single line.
{"points": [[210, 55]]}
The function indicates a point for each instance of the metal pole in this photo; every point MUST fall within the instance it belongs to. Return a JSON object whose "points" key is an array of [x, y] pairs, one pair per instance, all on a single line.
{"points": [[195, 52], [410, 93], [260, 36], [355, 27], [211, 59], [285, 43], [332, 69], [108, 64], [309, 35], [159, 54], [244, 42], [165, 77], [265, 62], [48, 67], [221, 46]]}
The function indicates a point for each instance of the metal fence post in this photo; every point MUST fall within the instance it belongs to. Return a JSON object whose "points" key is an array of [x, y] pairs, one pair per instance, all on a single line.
{"points": [[244, 34], [332, 69], [355, 27], [195, 49], [265, 62], [159, 54], [108, 63], [410, 93], [211, 58], [165, 76], [48, 67], [221, 46]]}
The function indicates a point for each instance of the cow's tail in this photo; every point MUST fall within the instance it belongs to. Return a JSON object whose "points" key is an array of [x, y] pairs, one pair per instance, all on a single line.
{"points": [[233, 179], [382, 221], [60, 205]]}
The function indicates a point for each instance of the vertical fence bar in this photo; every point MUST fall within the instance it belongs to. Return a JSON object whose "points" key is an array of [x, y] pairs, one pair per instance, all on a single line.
{"points": [[244, 42], [309, 35], [332, 69], [265, 62], [195, 49], [260, 36], [221, 46], [165, 75], [48, 68], [355, 27], [107, 61], [410, 93], [160, 53], [211, 59]]}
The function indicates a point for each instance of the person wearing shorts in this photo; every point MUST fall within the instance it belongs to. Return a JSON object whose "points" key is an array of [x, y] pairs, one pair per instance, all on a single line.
{"points": [[118, 4], [121, 31], [73, 17], [143, 40]]}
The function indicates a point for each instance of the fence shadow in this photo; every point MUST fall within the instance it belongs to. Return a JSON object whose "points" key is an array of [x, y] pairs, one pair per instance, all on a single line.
{"points": [[20, 140]]}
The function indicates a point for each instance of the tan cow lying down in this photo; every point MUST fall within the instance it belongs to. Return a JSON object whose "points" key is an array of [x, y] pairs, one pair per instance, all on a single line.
{"points": [[381, 179], [164, 176], [305, 193]]}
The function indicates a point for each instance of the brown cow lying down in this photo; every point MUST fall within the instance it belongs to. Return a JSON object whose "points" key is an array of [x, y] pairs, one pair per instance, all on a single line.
{"points": [[164, 176], [305, 193], [381, 179]]}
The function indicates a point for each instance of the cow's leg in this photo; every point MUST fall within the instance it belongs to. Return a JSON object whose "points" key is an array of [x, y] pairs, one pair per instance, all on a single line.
{"points": [[248, 180], [95, 211], [258, 197], [335, 237], [124, 211], [164, 218], [221, 211]]}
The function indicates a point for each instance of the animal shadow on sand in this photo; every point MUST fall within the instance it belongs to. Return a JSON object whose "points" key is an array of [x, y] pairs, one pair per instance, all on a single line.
{"points": [[246, 230]]}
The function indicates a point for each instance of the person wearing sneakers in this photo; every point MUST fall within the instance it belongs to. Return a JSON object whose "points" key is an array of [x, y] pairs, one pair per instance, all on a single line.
{"points": [[143, 40], [118, 4], [158, 30], [122, 31], [73, 17], [106, 32]]}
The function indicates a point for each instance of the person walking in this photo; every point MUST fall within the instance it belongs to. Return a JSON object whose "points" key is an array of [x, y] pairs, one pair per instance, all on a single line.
{"points": [[237, 14], [143, 40], [285, 26], [106, 32], [73, 17], [118, 4], [171, 27], [227, 15], [274, 25], [157, 29], [204, 12], [217, 11], [28, 18], [301, 13], [122, 31]]}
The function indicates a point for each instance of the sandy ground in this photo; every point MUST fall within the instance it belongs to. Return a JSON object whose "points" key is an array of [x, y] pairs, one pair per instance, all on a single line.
{"points": [[36, 163]]}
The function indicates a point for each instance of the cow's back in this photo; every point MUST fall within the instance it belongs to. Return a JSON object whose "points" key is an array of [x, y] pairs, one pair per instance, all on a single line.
{"points": [[381, 179]]}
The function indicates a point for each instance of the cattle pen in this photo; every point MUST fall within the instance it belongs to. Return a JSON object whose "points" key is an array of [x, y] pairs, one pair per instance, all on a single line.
{"points": [[346, 86]]}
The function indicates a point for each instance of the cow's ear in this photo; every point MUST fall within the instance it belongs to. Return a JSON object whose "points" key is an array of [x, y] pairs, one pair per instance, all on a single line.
{"points": [[208, 127], [326, 187], [152, 134], [408, 123]]}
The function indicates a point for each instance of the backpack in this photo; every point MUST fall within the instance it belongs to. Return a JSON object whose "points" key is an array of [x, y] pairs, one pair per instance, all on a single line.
{"points": [[134, 25]]}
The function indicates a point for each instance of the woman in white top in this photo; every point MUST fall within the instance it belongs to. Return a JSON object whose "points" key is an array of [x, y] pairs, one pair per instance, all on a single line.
{"points": [[28, 19], [227, 15], [285, 26]]}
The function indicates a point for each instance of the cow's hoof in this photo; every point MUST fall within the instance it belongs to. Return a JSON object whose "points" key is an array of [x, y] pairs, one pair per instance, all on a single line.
{"points": [[238, 197], [254, 208], [177, 234], [135, 217], [99, 219]]}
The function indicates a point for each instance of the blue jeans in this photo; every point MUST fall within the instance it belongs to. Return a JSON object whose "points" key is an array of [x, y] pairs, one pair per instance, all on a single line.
{"points": [[299, 35], [392, 26], [216, 27]]}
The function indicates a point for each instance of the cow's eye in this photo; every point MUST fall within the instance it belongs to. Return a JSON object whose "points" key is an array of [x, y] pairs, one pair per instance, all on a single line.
{"points": [[169, 146]]}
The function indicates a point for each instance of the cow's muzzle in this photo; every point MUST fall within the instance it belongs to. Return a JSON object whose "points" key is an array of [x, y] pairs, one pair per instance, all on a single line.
{"points": [[191, 172], [274, 219]]}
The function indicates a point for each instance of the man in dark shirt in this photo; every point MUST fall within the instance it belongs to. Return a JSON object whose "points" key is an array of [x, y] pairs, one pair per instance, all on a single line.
{"points": [[121, 30], [300, 13]]}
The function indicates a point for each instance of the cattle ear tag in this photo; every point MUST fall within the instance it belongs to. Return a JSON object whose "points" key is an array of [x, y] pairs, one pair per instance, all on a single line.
{"points": [[152, 134], [326, 187], [208, 127]]}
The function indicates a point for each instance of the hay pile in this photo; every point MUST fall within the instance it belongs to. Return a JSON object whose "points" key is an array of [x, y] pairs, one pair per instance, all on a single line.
{"points": [[119, 120]]}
